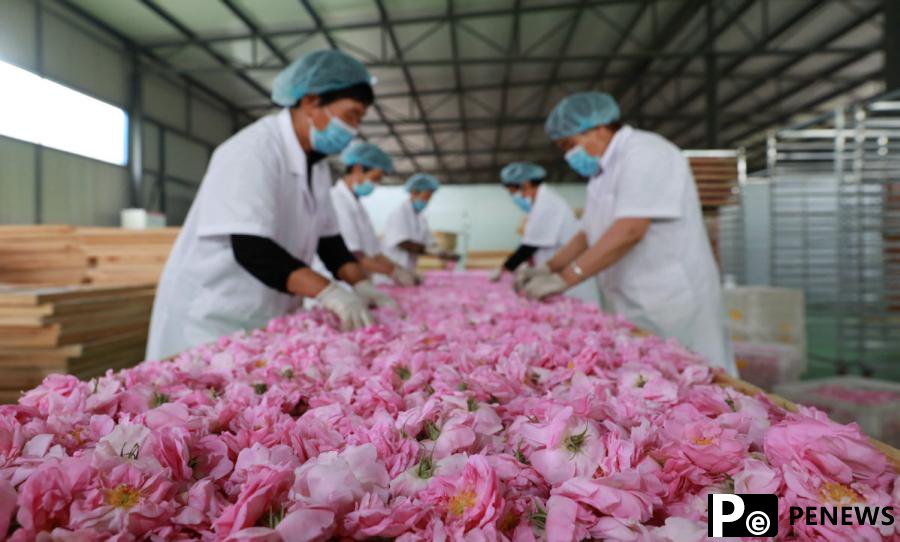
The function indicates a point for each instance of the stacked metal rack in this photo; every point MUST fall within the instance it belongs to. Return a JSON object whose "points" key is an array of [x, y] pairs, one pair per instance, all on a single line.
{"points": [[833, 223]]}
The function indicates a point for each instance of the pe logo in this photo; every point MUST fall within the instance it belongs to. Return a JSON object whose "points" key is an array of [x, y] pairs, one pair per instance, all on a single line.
{"points": [[732, 515]]}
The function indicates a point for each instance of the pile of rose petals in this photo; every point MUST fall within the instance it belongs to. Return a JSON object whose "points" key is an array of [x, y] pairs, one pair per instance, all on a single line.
{"points": [[467, 414]]}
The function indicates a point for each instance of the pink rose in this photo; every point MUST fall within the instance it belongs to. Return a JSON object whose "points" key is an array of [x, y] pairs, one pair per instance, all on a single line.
{"points": [[264, 488], [469, 500]]}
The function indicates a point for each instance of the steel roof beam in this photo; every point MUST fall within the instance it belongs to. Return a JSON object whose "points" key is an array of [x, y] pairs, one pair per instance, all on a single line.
{"points": [[767, 38], [257, 33], [617, 47], [193, 40], [554, 71], [150, 55], [569, 80], [646, 56], [512, 47], [675, 24], [457, 75], [440, 17], [675, 72], [828, 38], [787, 93], [407, 75]]}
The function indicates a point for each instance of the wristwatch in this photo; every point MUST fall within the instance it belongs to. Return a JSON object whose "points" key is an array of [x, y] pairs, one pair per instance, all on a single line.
{"points": [[577, 270]]}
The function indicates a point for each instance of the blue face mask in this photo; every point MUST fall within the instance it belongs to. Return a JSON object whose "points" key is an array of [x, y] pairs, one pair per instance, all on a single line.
{"points": [[419, 205], [364, 188], [583, 162], [523, 202], [332, 140]]}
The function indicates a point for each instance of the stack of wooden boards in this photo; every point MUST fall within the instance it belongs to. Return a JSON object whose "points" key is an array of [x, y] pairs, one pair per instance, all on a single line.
{"points": [[63, 255], [716, 178], [81, 330]]}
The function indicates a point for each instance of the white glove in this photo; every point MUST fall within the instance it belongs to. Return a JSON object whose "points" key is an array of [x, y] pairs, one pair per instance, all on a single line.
{"points": [[372, 295], [349, 307], [526, 272], [497, 273], [405, 277], [543, 286]]}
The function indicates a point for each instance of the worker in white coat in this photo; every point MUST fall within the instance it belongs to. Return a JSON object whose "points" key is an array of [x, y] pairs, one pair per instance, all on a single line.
{"points": [[406, 233], [642, 230], [365, 164], [263, 211], [551, 223]]}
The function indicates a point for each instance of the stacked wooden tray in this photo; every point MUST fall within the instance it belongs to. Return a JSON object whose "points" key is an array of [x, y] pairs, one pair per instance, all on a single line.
{"points": [[81, 330], [41, 255], [118, 256], [62, 255]]}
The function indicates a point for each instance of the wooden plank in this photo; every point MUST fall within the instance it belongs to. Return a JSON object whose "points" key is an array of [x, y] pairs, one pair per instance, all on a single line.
{"points": [[85, 335], [38, 310], [129, 259], [17, 296], [118, 360], [25, 230], [29, 337], [51, 277]]}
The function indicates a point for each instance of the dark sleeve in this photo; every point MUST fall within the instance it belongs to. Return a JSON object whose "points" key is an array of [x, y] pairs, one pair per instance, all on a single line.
{"points": [[519, 256], [265, 259], [334, 253]]}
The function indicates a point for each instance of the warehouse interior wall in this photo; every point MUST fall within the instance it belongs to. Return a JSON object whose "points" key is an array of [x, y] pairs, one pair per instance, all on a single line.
{"points": [[483, 213], [180, 126]]}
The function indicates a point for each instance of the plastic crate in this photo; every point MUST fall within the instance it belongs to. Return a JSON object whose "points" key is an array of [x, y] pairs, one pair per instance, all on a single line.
{"points": [[768, 364], [762, 314], [873, 404]]}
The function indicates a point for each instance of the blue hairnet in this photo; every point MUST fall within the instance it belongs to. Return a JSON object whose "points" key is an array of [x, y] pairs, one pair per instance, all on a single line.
{"points": [[421, 182], [316, 73], [368, 155], [517, 173], [580, 112]]}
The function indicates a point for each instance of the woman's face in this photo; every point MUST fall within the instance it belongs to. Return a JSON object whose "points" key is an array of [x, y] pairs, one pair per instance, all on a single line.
{"points": [[595, 141], [528, 190], [425, 196], [358, 175], [347, 109]]}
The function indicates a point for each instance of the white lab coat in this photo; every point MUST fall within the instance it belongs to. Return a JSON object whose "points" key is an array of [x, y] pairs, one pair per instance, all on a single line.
{"points": [[355, 225], [353, 219], [668, 283], [405, 224], [551, 224], [256, 184]]}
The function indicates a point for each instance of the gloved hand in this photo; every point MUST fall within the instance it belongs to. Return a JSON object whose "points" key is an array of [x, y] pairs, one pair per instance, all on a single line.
{"points": [[372, 295], [496, 274], [405, 277], [448, 256], [526, 272], [543, 286], [349, 307]]}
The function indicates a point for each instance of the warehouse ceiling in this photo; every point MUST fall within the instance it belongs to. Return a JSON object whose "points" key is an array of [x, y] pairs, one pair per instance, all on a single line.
{"points": [[464, 85]]}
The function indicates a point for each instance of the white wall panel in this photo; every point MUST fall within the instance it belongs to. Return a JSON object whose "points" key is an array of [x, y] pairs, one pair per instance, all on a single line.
{"points": [[75, 59], [17, 43], [164, 101], [150, 145], [178, 202], [16, 181], [488, 210], [209, 123], [78, 190], [184, 158]]}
